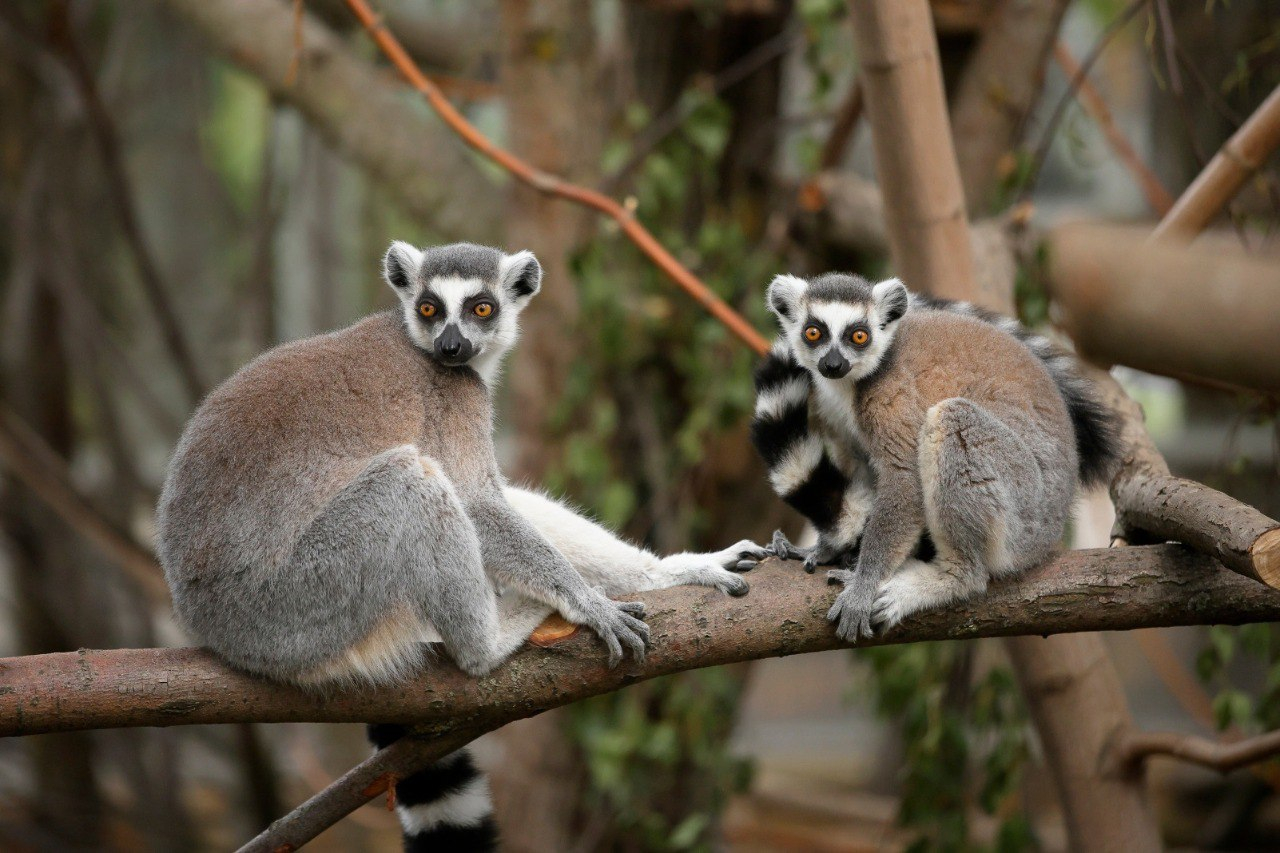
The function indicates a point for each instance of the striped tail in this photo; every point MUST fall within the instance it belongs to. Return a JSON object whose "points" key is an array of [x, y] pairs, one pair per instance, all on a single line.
{"points": [[444, 807]]}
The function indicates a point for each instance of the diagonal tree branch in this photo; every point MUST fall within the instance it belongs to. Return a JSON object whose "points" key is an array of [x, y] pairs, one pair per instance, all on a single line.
{"points": [[785, 614], [555, 186], [368, 779], [33, 462]]}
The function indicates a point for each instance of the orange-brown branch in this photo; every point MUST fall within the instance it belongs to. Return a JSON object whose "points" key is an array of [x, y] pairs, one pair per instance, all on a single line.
{"points": [[553, 185], [1156, 195]]}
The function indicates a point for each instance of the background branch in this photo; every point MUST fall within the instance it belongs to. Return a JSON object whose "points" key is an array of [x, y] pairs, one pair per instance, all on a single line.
{"points": [[1136, 746], [33, 462]]}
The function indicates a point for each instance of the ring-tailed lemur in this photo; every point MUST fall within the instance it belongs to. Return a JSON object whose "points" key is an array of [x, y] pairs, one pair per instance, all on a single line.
{"points": [[336, 503], [898, 415]]}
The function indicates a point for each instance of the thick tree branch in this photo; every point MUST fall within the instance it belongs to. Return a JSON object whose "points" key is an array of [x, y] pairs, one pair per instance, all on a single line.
{"points": [[1206, 312], [906, 107], [785, 614], [1149, 499], [1132, 748]]}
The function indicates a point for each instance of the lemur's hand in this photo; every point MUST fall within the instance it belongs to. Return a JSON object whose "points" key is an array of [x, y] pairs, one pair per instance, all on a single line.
{"points": [[620, 626], [824, 553], [853, 608]]}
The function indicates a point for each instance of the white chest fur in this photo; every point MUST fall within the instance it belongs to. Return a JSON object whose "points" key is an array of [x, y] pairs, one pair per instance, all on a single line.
{"points": [[833, 406]]}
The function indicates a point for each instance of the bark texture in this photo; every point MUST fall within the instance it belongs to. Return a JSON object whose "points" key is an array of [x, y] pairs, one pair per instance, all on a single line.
{"points": [[1151, 501], [785, 614]]}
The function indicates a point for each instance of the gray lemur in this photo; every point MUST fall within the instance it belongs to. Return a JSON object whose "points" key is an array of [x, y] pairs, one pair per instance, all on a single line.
{"points": [[897, 423], [336, 503]]}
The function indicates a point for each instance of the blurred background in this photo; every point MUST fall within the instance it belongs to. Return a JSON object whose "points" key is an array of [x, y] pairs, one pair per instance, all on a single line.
{"points": [[184, 183]]}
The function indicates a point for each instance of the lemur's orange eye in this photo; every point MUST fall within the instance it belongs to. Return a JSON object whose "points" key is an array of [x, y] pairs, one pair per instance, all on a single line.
{"points": [[483, 309], [426, 309], [812, 333], [860, 337]]}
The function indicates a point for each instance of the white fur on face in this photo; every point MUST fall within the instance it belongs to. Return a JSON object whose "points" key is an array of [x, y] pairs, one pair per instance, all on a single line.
{"points": [[491, 340], [838, 316]]}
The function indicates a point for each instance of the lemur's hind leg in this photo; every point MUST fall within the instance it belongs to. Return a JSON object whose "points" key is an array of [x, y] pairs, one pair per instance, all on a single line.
{"points": [[969, 460], [400, 526], [617, 567]]}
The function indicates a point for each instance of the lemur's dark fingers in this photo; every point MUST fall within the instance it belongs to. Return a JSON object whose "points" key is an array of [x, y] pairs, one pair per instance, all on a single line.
{"points": [[811, 562], [740, 589], [638, 629], [633, 608], [614, 647], [745, 565], [783, 549]]}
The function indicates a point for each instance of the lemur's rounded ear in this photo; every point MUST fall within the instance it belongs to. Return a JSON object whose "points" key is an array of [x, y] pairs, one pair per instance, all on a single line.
{"points": [[784, 295], [891, 299], [520, 275], [399, 265]]}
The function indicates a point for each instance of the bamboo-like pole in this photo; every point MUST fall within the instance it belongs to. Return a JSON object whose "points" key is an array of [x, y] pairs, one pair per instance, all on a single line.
{"points": [[915, 162], [1242, 155]]}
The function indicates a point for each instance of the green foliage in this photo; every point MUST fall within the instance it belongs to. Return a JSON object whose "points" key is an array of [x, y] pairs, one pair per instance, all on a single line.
{"points": [[1244, 665], [640, 745], [663, 384], [235, 134], [966, 742]]}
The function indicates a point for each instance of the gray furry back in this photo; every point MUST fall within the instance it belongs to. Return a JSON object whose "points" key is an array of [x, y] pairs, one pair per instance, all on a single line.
{"points": [[1096, 427]]}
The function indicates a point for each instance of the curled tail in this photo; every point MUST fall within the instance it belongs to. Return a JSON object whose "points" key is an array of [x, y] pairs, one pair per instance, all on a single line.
{"points": [[445, 806], [1096, 427], [800, 470]]}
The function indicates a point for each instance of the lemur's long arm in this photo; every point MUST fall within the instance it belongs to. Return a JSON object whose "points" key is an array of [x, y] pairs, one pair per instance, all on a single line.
{"points": [[801, 469]]}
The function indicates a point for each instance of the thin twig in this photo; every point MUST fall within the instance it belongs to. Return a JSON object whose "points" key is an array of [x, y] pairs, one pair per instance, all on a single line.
{"points": [[103, 131], [1073, 86], [1134, 747], [368, 779], [675, 116], [553, 185], [33, 462], [1156, 195]]}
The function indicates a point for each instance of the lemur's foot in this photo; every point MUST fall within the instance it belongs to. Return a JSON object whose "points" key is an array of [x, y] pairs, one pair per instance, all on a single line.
{"points": [[620, 625], [853, 609]]}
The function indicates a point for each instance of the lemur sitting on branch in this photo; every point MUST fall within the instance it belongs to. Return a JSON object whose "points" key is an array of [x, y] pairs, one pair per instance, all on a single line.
{"points": [[336, 504], [896, 423]]}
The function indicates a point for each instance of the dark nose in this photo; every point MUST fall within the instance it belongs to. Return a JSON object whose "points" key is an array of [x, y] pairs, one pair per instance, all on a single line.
{"points": [[833, 364], [451, 345]]}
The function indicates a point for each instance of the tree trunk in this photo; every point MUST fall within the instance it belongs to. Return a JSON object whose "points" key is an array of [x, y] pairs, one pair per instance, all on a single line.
{"points": [[928, 234]]}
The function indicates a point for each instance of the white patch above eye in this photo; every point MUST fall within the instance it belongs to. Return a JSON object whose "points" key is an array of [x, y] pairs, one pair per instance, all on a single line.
{"points": [[838, 315], [453, 291]]}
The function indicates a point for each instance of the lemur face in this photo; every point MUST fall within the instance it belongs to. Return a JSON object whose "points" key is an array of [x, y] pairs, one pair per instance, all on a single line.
{"points": [[839, 326], [461, 302]]}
